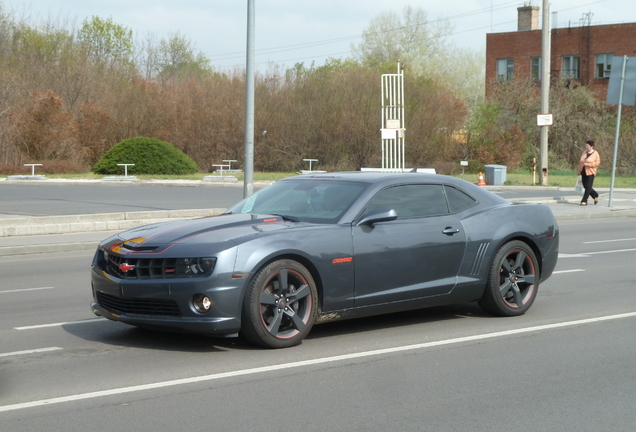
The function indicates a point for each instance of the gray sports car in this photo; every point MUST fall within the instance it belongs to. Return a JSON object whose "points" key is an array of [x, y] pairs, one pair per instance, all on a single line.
{"points": [[316, 248]]}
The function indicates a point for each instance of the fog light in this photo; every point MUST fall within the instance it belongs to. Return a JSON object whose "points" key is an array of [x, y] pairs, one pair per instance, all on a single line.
{"points": [[202, 303]]}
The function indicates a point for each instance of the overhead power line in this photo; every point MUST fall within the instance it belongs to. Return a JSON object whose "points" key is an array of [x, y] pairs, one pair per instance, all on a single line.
{"points": [[240, 55]]}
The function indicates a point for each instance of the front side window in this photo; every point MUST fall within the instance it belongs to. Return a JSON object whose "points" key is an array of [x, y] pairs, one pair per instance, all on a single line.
{"points": [[570, 67], [603, 65], [505, 69], [409, 201], [535, 69]]}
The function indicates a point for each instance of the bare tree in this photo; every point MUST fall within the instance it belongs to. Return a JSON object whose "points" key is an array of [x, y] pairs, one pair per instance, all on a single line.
{"points": [[423, 47], [106, 42], [412, 39], [177, 58]]}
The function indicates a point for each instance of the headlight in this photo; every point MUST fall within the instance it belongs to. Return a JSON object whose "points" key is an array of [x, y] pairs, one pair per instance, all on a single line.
{"points": [[195, 266]]}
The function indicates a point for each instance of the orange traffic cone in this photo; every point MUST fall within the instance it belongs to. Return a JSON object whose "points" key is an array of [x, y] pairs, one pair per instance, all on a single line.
{"points": [[481, 181]]}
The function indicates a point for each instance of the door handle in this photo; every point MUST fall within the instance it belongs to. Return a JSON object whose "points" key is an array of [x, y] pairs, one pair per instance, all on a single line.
{"points": [[450, 230]]}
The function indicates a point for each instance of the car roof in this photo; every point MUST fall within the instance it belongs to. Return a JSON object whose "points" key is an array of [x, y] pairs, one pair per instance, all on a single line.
{"points": [[389, 178], [368, 176], [383, 177]]}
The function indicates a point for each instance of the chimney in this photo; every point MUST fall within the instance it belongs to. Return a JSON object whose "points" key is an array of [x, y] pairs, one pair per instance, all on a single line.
{"points": [[528, 18]]}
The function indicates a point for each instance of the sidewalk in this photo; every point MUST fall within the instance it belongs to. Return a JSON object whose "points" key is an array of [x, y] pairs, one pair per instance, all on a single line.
{"points": [[48, 234], [566, 206]]}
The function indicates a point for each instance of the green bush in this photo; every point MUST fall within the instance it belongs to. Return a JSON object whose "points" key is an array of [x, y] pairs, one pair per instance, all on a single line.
{"points": [[150, 156]]}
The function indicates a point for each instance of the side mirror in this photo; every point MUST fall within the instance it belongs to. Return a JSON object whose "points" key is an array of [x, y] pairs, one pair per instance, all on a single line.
{"points": [[378, 215]]}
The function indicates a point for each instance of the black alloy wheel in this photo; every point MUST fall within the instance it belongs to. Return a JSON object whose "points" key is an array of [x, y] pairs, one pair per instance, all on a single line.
{"points": [[280, 305], [513, 281]]}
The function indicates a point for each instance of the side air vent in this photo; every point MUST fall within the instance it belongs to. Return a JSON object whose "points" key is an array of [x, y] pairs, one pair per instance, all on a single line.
{"points": [[479, 259]]}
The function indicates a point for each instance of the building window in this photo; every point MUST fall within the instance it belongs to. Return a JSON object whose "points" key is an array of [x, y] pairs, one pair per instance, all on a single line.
{"points": [[535, 68], [570, 67], [505, 68], [603, 65]]}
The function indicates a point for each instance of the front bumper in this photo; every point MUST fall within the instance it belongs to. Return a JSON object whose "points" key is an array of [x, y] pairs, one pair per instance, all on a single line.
{"points": [[168, 304], [217, 326]]}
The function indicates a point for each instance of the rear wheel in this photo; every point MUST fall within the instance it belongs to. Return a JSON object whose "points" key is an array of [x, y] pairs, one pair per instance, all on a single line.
{"points": [[280, 305], [513, 281]]}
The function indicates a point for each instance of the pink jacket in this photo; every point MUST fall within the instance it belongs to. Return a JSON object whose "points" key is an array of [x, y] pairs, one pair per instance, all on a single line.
{"points": [[592, 161]]}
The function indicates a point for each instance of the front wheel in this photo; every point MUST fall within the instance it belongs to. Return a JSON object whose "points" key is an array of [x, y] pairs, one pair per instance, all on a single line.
{"points": [[513, 281], [280, 305]]}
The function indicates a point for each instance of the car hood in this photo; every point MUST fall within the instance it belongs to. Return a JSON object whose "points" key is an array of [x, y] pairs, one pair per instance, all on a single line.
{"points": [[224, 231]]}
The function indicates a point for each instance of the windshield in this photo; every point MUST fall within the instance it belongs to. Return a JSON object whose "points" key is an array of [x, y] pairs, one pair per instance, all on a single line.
{"points": [[312, 200]]}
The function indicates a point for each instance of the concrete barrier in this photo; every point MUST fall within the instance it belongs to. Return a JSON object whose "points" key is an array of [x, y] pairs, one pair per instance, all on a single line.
{"points": [[39, 225]]}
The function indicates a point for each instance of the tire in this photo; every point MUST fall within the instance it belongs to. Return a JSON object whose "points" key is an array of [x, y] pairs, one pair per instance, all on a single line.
{"points": [[513, 281], [276, 316]]}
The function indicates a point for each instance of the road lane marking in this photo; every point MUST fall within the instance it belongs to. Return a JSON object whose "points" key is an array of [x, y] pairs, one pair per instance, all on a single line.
{"points": [[295, 365], [610, 251], [609, 241], [33, 351], [587, 254], [568, 271], [26, 289], [39, 326]]}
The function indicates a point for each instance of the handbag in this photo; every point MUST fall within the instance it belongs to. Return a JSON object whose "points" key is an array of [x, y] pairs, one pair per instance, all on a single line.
{"points": [[578, 186]]}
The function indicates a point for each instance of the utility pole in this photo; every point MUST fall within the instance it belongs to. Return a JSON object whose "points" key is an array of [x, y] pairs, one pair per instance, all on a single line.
{"points": [[248, 168], [545, 91]]}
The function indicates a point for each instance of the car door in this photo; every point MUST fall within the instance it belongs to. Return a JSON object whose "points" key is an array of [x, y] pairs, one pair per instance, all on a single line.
{"points": [[416, 255]]}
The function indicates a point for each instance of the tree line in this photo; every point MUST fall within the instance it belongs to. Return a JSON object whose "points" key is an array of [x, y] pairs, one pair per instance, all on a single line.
{"points": [[72, 94]]}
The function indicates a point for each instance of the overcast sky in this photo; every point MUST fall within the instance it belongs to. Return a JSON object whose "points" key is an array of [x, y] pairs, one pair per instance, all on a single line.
{"points": [[292, 31]]}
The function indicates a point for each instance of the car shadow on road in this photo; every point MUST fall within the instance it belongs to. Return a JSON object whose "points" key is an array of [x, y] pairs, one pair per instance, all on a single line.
{"points": [[122, 335], [396, 320]]}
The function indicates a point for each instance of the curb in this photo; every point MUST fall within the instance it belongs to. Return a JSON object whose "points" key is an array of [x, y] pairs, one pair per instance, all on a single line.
{"points": [[46, 248], [612, 213], [16, 227], [210, 182]]}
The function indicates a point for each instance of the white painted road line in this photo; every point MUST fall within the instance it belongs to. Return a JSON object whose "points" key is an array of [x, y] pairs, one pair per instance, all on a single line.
{"points": [[568, 271], [609, 241], [59, 324], [588, 254], [26, 289], [610, 251], [33, 351], [295, 365]]}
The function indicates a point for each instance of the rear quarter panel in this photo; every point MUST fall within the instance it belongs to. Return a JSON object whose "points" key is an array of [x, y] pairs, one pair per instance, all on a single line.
{"points": [[488, 230]]}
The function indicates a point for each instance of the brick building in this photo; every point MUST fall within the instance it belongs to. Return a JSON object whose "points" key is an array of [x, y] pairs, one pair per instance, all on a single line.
{"points": [[583, 54]]}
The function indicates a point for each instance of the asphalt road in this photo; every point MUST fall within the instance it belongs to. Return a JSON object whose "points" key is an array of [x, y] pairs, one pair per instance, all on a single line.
{"points": [[44, 199], [566, 365]]}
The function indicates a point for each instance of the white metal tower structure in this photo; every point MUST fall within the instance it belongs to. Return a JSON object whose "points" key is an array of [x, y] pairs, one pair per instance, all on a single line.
{"points": [[393, 128]]}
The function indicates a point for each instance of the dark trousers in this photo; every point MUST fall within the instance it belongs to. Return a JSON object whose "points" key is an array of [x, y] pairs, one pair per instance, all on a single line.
{"points": [[588, 182]]}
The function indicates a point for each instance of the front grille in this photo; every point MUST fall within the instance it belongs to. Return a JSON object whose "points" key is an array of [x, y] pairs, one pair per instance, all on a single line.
{"points": [[156, 268], [138, 306]]}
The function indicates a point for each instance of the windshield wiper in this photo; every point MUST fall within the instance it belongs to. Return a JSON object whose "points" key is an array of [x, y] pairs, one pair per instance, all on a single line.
{"points": [[287, 217]]}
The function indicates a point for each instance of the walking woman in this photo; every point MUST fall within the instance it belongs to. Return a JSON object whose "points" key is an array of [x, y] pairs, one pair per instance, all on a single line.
{"points": [[590, 160]]}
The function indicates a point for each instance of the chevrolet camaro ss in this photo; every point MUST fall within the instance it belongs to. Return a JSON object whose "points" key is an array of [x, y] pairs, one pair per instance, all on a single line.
{"points": [[323, 247]]}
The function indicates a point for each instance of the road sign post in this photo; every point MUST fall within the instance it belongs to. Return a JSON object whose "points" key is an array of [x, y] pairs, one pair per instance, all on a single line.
{"points": [[621, 90]]}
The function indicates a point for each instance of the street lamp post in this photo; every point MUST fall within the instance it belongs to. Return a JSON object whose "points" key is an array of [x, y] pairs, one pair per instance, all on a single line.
{"points": [[545, 91], [248, 169]]}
